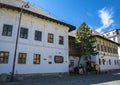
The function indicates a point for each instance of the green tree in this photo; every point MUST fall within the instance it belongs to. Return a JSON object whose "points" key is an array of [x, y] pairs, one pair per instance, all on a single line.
{"points": [[85, 44]]}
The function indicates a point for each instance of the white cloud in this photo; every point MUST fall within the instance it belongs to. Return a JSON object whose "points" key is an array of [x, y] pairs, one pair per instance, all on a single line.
{"points": [[106, 16]]}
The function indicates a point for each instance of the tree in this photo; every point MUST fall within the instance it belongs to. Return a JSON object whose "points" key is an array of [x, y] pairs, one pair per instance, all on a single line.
{"points": [[85, 44]]}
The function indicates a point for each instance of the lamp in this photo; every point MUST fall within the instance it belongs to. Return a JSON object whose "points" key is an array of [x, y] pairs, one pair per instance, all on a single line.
{"points": [[25, 5]]}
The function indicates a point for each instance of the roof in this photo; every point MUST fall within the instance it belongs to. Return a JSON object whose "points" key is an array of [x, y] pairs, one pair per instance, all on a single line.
{"points": [[105, 39], [111, 31], [72, 33], [17, 4]]}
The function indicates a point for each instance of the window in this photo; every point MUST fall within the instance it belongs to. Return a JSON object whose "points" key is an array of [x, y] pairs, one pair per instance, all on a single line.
{"points": [[105, 48], [38, 35], [22, 58], [50, 38], [36, 59], [103, 60], [108, 34], [7, 30], [102, 48], [24, 33], [61, 40], [114, 33], [114, 39], [99, 61], [58, 59], [4, 57], [115, 62], [110, 49], [98, 47], [109, 62]]}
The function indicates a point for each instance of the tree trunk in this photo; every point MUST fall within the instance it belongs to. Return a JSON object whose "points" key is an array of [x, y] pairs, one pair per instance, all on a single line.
{"points": [[79, 61]]}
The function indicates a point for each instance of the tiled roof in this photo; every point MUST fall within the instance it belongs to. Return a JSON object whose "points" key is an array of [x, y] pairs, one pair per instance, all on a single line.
{"points": [[17, 4], [105, 39]]}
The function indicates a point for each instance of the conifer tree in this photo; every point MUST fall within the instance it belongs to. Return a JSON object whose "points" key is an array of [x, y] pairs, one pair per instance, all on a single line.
{"points": [[85, 44]]}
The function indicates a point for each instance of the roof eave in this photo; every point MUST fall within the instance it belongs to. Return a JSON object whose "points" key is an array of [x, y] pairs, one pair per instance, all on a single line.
{"points": [[105, 39], [37, 15]]}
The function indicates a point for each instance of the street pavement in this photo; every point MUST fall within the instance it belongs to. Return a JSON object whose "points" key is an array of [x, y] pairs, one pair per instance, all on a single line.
{"points": [[110, 78]]}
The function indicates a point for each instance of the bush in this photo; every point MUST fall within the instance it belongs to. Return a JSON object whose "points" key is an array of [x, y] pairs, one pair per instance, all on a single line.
{"points": [[76, 70]]}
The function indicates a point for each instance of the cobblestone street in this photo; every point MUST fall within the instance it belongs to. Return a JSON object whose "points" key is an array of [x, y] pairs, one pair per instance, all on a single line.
{"points": [[111, 78]]}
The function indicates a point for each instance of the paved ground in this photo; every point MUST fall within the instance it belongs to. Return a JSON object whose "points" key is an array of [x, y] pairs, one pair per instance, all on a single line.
{"points": [[111, 78]]}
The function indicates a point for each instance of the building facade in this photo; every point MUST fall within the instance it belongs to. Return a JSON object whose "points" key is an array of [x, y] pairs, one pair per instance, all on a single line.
{"points": [[114, 35], [107, 57], [42, 43]]}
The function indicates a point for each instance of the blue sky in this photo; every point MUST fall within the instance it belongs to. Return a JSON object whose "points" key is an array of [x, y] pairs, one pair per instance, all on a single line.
{"points": [[100, 15]]}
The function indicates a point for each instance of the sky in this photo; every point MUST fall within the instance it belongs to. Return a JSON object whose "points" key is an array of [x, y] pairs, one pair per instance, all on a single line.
{"points": [[100, 15]]}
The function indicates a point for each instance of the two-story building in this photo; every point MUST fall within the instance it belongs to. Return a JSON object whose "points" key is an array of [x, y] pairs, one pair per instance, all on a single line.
{"points": [[113, 35], [42, 43], [107, 57]]}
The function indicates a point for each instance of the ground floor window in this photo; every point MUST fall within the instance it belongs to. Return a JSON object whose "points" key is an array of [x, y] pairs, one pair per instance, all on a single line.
{"points": [[109, 62], [58, 59], [36, 59], [103, 61], [99, 61], [22, 58], [115, 62], [4, 57]]}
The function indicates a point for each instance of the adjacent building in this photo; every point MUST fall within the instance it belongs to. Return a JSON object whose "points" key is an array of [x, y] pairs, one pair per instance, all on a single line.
{"points": [[42, 43], [114, 35], [107, 57]]}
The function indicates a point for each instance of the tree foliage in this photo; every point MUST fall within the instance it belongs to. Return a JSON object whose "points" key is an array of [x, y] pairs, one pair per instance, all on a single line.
{"points": [[85, 44]]}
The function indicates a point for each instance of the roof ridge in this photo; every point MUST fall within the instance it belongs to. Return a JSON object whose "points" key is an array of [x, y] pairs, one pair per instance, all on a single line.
{"points": [[19, 3]]}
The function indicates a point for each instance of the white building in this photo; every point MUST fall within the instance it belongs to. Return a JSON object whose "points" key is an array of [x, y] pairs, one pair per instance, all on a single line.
{"points": [[42, 43], [114, 35]]}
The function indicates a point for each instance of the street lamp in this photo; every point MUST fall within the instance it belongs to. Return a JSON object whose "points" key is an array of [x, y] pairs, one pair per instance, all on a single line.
{"points": [[25, 5]]}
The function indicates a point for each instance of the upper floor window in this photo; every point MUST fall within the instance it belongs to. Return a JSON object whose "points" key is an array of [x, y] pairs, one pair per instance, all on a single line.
{"points": [[114, 33], [50, 38], [24, 33], [36, 59], [98, 47], [58, 59], [108, 34], [102, 47], [4, 57], [105, 48], [61, 40], [114, 39], [38, 35], [7, 30], [22, 58]]}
